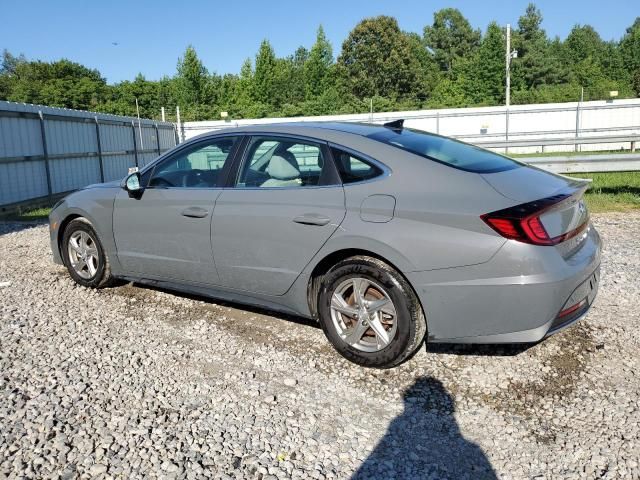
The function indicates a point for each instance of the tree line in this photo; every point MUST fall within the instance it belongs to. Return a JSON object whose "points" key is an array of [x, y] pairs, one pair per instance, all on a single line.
{"points": [[451, 64]]}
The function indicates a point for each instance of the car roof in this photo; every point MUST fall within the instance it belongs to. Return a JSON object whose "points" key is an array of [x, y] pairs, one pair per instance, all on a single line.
{"points": [[321, 130]]}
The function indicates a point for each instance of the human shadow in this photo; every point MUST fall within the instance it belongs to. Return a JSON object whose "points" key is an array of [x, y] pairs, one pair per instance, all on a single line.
{"points": [[425, 442]]}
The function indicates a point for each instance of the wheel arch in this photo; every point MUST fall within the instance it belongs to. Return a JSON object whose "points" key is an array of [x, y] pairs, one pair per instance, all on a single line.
{"points": [[331, 259], [63, 226]]}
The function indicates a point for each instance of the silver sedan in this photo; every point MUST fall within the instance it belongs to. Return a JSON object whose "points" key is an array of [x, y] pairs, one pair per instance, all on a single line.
{"points": [[386, 235]]}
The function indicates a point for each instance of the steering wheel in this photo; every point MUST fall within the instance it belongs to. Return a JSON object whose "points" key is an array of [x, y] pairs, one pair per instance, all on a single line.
{"points": [[160, 182], [194, 178]]}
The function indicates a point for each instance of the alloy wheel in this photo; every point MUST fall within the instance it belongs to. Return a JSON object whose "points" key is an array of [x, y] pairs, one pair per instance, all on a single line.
{"points": [[83, 254], [363, 314]]}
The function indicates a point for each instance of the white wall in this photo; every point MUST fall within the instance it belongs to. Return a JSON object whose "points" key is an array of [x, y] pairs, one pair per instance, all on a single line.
{"points": [[551, 120]]}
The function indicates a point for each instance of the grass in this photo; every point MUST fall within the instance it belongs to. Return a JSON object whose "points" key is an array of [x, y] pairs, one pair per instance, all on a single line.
{"points": [[34, 214], [612, 191]]}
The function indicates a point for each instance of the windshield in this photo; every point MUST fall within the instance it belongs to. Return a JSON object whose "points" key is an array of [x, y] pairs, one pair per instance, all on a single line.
{"points": [[446, 150]]}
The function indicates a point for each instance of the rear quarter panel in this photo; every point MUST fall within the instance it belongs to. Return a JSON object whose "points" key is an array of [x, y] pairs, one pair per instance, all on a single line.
{"points": [[436, 222]]}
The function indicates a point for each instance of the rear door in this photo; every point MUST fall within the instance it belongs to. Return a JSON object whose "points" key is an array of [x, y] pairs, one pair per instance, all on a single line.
{"points": [[166, 233], [286, 202]]}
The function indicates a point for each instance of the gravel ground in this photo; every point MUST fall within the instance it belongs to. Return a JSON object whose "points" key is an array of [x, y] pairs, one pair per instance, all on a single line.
{"points": [[132, 382]]}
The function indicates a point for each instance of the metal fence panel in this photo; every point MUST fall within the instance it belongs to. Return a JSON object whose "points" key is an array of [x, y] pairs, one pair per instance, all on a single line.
{"points": [[116, 166], [16, 137], [45, 151], [115, 138], [22, 181], [74, 173]]}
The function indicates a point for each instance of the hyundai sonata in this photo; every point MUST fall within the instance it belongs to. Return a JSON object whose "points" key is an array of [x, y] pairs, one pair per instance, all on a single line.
{"points": [[384, 234]]}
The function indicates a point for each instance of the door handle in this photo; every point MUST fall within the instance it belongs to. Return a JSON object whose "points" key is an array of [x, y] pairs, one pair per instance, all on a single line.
{"points": [[195, 212], [312, 219]]}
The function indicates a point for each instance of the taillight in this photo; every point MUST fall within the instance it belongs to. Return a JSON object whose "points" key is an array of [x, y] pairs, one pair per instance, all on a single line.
{"points": [[522, 222]]}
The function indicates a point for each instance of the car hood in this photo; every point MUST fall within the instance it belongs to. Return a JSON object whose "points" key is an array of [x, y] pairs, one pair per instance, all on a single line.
{"points": [[112, 184], [526, 184]]}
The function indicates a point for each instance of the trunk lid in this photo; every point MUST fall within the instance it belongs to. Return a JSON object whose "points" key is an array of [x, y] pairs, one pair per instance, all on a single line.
{"points": [[557, 201], [526, 184]]}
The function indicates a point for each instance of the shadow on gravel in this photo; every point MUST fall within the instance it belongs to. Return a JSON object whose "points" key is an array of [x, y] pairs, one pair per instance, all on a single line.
{"points": [[486, 350], [425, 441], [235, 305], [9, 226]]}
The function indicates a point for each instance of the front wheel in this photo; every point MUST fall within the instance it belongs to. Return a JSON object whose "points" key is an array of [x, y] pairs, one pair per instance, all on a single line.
{"points": [[370, 313], [84, 256]]}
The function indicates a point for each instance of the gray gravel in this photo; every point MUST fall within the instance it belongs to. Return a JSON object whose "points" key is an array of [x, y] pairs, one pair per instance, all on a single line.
{"points": [[133, 382]]}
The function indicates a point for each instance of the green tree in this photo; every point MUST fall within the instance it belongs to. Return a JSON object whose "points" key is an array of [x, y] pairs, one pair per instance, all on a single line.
{"points": [[316, 67], [451, 37], [428, 73], [122, 98], [264, 84], [539, 61], [191, 79], [584, 42], [630, 53], [59, 84], [9, 72], [377, 59], [485, 82]]}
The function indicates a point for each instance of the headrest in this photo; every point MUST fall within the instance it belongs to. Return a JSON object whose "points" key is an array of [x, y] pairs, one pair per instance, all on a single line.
{"points": [[282, 169]]}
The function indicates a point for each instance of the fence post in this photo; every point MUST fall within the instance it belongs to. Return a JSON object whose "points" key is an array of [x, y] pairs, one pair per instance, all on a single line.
{"points": [[157, 138], [438, 122], [45, 154], [180, 132], [576, 146], [133, 136], [100, 162]]}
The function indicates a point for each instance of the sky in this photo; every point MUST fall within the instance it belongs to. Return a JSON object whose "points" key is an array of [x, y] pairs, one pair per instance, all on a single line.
{"points": [[123, 38]]}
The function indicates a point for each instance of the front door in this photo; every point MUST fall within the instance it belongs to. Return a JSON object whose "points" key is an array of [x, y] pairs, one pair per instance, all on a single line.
{"points": [[166, 233], [286, 203]]}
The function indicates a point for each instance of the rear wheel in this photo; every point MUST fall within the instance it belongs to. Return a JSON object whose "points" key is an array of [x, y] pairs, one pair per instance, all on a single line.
{"points": [[84, 256], [369, 313]]}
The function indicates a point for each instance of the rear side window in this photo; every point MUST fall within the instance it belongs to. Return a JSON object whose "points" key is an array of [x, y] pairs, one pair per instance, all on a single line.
{"points": [[283, 162], [353, 169], [446, 150]]}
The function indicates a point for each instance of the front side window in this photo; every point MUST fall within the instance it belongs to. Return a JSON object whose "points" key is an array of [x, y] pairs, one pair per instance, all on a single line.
{"points": [[198, 167], [446, 150], [281, 162], [353, 169]]}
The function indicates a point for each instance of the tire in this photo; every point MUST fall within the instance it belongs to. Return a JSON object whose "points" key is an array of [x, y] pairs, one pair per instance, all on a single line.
{"points": [[401, 315], [96, 272]]}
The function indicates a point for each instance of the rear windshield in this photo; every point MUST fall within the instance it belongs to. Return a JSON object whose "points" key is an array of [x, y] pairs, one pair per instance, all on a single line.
{"points": [[445, 150]]}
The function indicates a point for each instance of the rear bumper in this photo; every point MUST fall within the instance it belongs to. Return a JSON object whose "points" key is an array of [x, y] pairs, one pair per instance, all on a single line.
{"points": [[487, 303]]}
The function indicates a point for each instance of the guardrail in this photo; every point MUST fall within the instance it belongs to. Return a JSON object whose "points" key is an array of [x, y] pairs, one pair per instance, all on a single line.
{"points": [[616, 162], [541, 142]]}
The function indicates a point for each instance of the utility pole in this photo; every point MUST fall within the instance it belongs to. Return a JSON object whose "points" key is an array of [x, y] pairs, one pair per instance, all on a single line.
{"points": [[139, 125], [508, 66], [162, 113]]}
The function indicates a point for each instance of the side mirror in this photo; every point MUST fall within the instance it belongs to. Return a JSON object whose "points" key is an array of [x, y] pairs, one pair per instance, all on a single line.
{"points": [[132, 185]]}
